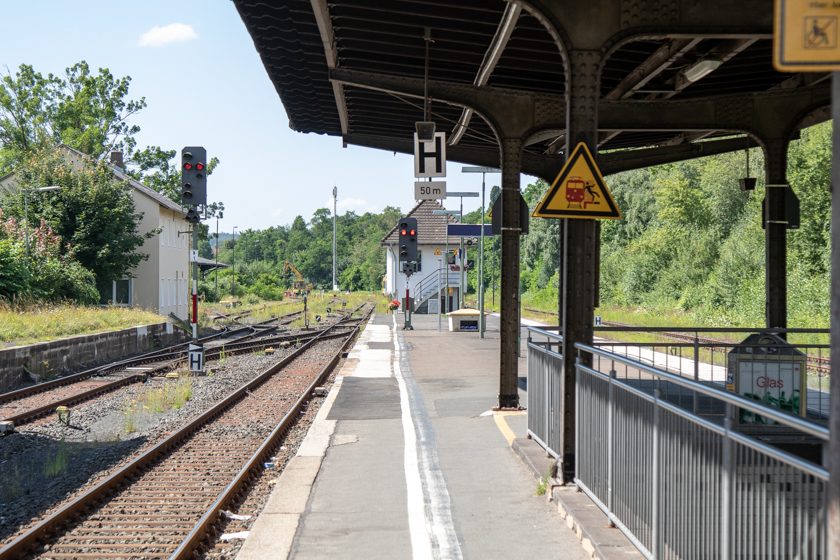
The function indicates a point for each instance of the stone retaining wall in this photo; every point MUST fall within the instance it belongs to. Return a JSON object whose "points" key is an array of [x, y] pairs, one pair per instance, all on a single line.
{"points": [[21, 365]]}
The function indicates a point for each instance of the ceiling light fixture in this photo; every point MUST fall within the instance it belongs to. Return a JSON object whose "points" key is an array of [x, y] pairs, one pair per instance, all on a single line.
{"points": [[701, 69]]}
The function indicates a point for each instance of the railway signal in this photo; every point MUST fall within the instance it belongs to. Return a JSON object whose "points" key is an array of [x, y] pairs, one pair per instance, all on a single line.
{"points": [[193, 176], [408, 239]]}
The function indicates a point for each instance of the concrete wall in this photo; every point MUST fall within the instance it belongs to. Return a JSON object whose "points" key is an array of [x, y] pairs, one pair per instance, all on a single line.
{"points": [[50, 359]]}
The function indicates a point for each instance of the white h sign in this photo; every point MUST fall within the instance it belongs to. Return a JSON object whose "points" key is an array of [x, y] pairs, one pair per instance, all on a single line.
{"points": [[430, 156], [195, 357]]}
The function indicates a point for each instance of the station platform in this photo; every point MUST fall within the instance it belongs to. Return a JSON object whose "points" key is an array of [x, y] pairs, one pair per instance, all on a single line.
{"points": [[406, 459]]}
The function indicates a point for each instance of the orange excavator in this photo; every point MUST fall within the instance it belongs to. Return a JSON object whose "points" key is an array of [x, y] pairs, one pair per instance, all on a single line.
{"points": [[300, 286]]}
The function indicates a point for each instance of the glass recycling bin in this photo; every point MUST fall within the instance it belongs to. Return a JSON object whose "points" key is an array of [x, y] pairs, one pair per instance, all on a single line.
{"points": [[768, 369]]}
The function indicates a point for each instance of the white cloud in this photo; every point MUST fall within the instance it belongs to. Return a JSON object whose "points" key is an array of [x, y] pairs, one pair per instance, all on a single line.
{"points": [[159, 36]]}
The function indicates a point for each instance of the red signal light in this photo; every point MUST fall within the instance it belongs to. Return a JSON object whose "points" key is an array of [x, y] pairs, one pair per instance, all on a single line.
{"points": [[199, 166], [402, 232], [188, 166], [413, 232]]}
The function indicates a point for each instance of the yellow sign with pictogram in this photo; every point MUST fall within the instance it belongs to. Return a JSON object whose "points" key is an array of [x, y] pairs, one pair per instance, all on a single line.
{"points": [[805, 36], [579, 191]]}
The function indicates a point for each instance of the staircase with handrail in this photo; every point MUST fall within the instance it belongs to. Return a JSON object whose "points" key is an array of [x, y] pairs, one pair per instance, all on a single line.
{"points": [[431, 285]]}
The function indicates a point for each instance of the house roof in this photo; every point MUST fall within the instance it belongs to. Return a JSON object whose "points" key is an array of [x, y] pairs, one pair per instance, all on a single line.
{"points": [[120, 174], [209, 264], [431, 228], [8, 183]]}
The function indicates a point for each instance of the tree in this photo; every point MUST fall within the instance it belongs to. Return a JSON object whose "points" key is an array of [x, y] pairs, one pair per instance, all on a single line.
{"points": [[93, 213], [88, 112]]}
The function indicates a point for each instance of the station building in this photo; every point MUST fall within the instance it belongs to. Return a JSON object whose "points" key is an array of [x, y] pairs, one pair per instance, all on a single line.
{"points": [[427, 286], [161, 282]]}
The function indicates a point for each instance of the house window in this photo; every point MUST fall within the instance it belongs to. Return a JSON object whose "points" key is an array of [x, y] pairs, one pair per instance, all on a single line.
{"points": [[122, 292]]}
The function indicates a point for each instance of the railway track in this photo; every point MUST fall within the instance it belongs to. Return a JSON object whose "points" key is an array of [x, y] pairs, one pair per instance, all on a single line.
{"points": [[30, 403], [163, 503], [816, 364]]}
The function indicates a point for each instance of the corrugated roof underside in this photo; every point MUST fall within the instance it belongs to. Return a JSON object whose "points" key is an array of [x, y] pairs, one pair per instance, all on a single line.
{"points": [[286, 37]]}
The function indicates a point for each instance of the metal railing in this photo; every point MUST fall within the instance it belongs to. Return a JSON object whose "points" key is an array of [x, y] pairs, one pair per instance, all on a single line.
{"points": [[429, 286], [685, 352], [545, 388], [682, 484]]}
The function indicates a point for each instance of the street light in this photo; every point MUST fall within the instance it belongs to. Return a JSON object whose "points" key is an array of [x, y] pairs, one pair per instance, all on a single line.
{"points": [[219, 214], [233, 266], [335, 210], [26, 209], [483, 171]]}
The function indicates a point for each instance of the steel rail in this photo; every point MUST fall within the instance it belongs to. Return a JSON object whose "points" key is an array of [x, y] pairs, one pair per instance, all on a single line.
{"points": [[201, 529], [19, 546], [32, 414], [128, 362]]}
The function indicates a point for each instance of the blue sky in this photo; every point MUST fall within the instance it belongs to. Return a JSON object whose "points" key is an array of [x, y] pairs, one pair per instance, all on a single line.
{"points": [[209, 88]]}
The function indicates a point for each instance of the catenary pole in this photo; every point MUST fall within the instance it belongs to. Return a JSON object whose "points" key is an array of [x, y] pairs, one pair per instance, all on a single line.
{"points": [[335, 210]]}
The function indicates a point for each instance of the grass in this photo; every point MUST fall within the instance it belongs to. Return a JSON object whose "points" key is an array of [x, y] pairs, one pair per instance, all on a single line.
{"points": [[172, 395], [38, 323]]}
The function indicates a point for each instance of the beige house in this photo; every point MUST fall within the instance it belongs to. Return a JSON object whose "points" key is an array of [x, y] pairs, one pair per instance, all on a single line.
{"points": [[161, 282]]}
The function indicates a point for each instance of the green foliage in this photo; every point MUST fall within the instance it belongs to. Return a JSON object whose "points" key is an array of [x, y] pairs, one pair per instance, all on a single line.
{"points": [[692, 241], [261, 254], [44, 274], [86, 111], [14, 276], [92, 213]]}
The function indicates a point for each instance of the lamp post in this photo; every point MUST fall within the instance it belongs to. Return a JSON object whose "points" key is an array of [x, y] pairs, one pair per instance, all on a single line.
{"points": [[335, 210], [219, 214], [483, 171], [233, 266], [26, 210]]}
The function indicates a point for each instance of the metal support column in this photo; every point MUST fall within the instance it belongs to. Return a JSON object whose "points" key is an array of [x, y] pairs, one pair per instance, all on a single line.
{"points": [[833, 504], [511, 229], [580, 244], [775, 233]]}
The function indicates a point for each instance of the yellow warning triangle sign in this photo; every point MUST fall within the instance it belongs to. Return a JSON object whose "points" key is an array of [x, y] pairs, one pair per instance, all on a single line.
{"points": [[579, 191]]}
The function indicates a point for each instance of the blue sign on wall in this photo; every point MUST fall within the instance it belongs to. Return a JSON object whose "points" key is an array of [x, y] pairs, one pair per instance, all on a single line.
{"points": [[468, 230]]}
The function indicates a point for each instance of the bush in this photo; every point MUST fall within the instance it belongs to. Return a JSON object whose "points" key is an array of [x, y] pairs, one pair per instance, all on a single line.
{"points": [[55, 280], [14, 276]]}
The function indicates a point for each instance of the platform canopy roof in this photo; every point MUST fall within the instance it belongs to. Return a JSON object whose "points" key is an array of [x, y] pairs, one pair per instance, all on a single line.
{"points": [[679, 78]]}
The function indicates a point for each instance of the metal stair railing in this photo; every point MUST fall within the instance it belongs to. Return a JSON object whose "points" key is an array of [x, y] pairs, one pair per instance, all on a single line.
{"points": [[428, 286]]}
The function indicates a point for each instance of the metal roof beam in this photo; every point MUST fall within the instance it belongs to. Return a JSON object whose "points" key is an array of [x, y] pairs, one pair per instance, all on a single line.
{"points": [[491, 58], [618, 23], [526, 113], [615, 162], [322, 18], [654, 65]]}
